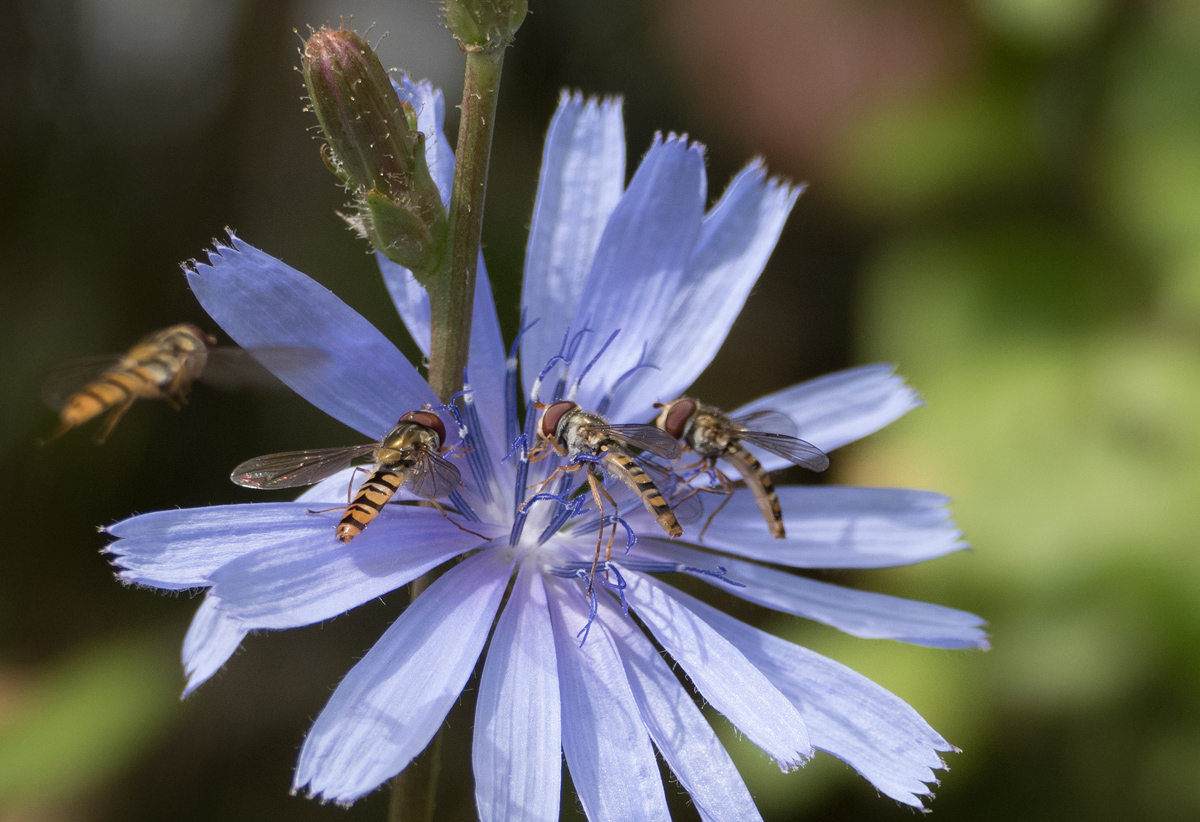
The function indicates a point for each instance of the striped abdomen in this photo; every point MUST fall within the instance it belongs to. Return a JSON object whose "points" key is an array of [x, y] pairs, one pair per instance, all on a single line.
{"points": [[630, 473], [759, 481], [113, 391], [368, 502]]}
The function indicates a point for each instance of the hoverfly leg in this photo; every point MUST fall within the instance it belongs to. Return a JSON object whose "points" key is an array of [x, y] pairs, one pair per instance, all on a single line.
{"points": [[598, 490], [727, 490], [349, 493], [110, 421], [62, 428], [555, 474], [326, 510], [350, 484], [441, 510]]}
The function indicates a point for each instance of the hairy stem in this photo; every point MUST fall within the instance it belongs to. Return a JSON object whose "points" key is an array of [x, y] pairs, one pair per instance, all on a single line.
{"points": [[450, 306]]}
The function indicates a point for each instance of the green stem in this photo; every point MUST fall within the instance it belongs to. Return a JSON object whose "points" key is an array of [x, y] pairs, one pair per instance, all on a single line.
{"points": [[450, 305]]}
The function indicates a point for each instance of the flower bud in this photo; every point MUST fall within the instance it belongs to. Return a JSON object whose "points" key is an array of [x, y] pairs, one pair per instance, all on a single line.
{"points": [[484, 25], [374, 148]]}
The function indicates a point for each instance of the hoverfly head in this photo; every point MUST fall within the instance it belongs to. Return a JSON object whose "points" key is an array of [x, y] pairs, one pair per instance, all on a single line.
{"points": [[427, 419], [675, 415], [552, 417]]}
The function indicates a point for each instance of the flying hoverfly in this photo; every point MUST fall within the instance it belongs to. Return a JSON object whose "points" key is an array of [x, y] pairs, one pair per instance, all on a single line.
{"points": [[410, 455], [573, 433], [162, 366], [713, 435]]}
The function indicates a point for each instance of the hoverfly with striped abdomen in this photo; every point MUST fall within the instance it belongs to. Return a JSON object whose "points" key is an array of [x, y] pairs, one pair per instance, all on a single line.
{"points": [[582, 437], [161, 366], [410, 456], [713, 435]]}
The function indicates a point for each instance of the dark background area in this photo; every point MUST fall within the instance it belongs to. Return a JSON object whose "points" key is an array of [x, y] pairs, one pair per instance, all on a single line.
{"points": [[1004, 200]]}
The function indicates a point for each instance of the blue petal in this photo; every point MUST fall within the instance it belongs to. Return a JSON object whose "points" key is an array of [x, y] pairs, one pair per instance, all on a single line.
{"points": [[839, 408], [639, 264], [360, 378], [837, 527], [516, 752], [583, 175], [180, 549], [737, 237], [861, 613], [305, 581], [211, 639], [410, 298], [391, 703], [679, 730], [724, 677], [608, 751], [848, 715]]}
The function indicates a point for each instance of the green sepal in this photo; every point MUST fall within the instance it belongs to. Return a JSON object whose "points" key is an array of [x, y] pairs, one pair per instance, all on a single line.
{"points": [[484, 25]]}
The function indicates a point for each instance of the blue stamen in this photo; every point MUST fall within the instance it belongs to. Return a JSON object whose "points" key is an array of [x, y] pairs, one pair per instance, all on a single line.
{"points": [[593, 599], [659, 566], [519, 443], [479, 459], [519, 515], [536, 390], [464, 508], [592, 362], [563, 513], [512, 422], [612, 392]]}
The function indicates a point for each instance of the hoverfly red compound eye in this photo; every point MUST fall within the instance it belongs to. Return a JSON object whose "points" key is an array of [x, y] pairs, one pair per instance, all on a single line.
{"points": [[673, 418], [428, 419], [552, 416]]}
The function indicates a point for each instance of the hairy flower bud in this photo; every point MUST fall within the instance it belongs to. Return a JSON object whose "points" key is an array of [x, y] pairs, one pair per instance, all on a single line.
{"points": [[374, 147], [484, 25]]}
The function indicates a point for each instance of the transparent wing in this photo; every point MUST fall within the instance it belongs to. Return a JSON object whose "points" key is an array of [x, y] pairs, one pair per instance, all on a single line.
{"points": [[73, 375], [648, 438], [794, 450], [770, 422], [684, 500], [294, 468], [433, 476], [230, 368]]}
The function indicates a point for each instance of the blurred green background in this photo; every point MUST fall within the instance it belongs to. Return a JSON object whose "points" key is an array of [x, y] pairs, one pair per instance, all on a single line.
{"points": [[1004, 201]]}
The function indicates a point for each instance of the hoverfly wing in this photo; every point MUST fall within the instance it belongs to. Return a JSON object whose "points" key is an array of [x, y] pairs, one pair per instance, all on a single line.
{"points": [[291, 469], [790, 448], [648, 438], [72, 376], [230, 368], [433, 476], [768, 422], [684, 500]]}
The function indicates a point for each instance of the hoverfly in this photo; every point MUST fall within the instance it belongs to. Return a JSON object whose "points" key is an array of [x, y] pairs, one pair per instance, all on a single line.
{"points": [[713, 435], [410, 455], [569, 431], [161, 366]]}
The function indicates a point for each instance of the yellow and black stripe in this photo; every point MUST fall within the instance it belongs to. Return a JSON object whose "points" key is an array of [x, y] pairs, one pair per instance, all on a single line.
{"points": [[759, 481], [630, 473], [368, 502]]}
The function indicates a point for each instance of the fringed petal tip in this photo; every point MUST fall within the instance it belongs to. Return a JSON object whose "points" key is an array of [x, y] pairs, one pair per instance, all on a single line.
{"points": [[575, 98], [776, 184], [679, 141]]}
